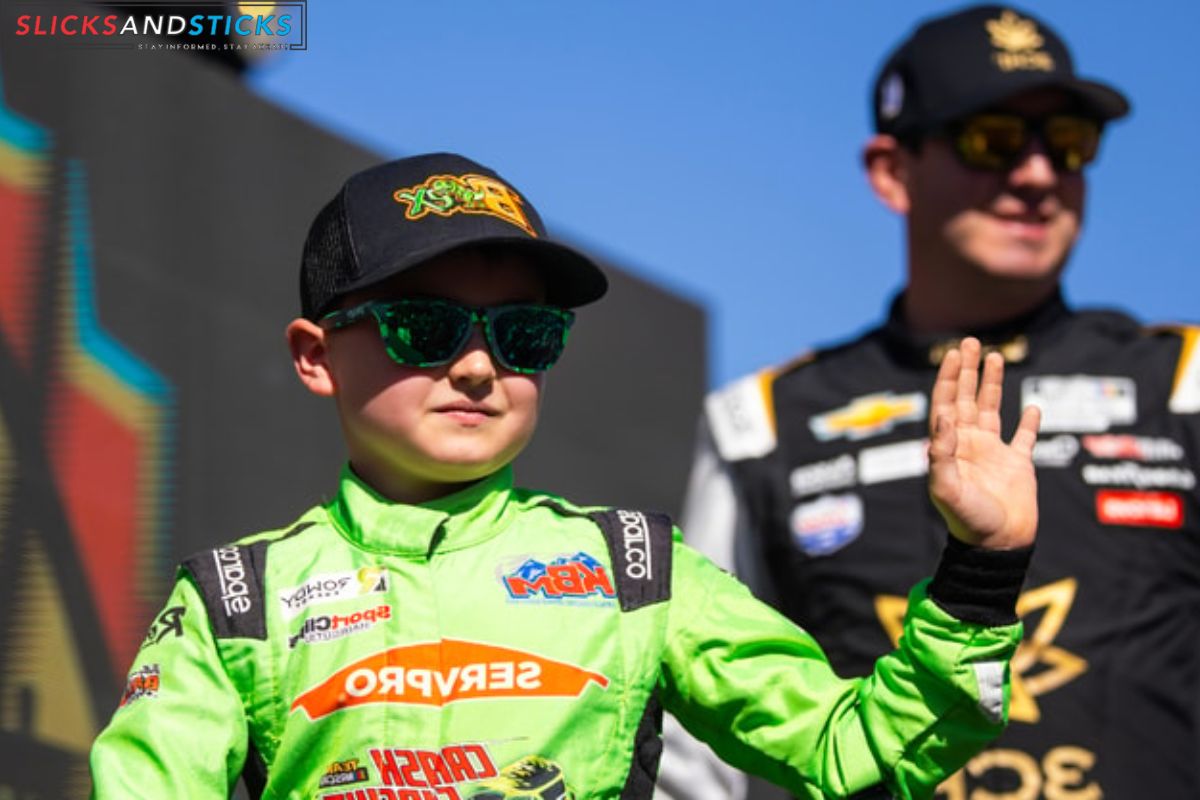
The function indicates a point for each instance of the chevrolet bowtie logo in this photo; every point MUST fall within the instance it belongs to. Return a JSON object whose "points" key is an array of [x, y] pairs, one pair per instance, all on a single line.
{"points": [[1039, 666], [868, 416]]}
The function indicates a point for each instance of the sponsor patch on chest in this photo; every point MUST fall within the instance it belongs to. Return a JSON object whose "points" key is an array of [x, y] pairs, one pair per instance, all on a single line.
{"points": [[579, 579], [327, 588], [870, 415], [1081, 403], [1139, 509], [445, 672], [827, 524], [893, 462]]}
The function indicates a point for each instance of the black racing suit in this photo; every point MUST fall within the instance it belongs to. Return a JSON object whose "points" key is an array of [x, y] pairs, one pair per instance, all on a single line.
{"points": [[820, 469]]}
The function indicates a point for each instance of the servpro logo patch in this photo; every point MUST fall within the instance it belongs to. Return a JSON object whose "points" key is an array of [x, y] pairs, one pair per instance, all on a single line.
{"points": [[440, 673]]}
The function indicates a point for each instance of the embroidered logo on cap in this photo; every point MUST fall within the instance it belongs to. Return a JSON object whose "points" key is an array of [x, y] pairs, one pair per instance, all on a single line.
{"points": [[446, 195], [1017, 42]]}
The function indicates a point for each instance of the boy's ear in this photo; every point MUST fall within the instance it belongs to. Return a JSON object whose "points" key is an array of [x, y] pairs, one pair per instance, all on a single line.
{"points": [[310, 356], [886, 162]]}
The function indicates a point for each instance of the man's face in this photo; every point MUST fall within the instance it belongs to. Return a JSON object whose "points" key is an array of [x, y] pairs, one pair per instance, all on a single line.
{"points": [[412, 431], [1019, 223]]}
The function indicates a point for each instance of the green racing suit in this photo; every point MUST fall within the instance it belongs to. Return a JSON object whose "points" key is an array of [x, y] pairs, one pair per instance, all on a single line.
{"points": [[503, 643]]}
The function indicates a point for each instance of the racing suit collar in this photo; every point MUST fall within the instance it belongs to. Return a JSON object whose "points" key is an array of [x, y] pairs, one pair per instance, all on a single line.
{"points": [[1016, 339], [453, 522]]}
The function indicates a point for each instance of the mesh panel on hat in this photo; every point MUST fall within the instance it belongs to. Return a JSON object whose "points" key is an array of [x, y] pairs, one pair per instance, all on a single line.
{"points": [[328, 262]]}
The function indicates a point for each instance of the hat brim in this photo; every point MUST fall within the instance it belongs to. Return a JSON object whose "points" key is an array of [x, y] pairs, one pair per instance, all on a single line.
{"points": [[572, 279], [1097, 99]]}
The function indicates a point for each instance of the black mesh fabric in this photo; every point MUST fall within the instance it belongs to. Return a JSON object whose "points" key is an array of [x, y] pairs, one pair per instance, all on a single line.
{"points": [[328, 260]]}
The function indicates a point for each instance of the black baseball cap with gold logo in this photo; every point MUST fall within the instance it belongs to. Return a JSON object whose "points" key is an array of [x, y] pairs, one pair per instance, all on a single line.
{"points": [[963, 62], [396, 216]]}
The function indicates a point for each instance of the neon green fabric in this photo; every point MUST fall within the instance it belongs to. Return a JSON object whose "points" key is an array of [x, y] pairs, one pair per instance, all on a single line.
{"points": [[475, 645]]}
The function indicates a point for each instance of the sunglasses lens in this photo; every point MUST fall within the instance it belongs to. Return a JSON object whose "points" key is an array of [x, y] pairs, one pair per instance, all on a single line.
{"points": [[1072, 141], [423, 333], [529, 338], [992, 141]]}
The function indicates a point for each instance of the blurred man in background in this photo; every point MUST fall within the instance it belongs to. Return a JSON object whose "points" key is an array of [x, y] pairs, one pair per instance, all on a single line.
{"points": [[809, 477]]}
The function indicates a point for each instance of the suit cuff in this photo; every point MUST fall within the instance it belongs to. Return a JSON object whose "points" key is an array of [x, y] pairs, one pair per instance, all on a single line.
{"points": [[980, 586]]}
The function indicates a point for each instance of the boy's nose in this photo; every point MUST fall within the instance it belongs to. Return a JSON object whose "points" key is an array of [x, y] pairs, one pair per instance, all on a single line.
{"points": [[474, 365]]}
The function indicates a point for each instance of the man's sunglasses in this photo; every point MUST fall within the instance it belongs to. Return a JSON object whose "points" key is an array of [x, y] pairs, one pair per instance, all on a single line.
{"points": [[425, 332], [997, 141]]}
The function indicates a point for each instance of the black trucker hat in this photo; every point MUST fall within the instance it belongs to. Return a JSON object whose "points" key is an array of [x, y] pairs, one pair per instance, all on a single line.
{"points": [[966, 61], [395, 216]]}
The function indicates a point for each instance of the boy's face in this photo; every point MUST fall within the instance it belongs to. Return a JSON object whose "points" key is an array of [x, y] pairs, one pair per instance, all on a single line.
{"points": [[418, 433]]}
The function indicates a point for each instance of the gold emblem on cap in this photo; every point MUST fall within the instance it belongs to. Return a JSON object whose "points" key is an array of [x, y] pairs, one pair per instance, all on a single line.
{"points": [[1014, 351], [1018, 43]]}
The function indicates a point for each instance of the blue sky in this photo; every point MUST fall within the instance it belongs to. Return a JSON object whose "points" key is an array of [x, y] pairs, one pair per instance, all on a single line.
{"points": [[712, 147]]}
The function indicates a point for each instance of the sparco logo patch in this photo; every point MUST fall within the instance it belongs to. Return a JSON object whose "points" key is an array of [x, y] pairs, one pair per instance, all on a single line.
{"points": [[565, 578], [1140, 509], [330, 587], [635, 536], [231, 574], [444, 672]]}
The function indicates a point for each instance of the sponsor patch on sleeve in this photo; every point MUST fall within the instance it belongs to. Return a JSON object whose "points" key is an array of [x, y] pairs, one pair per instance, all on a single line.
{"points": [[142, 682], [742, 418], [1185, 392]]}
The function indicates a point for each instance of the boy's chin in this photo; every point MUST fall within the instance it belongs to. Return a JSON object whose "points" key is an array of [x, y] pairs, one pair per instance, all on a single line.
{"points": [[465, 468]]}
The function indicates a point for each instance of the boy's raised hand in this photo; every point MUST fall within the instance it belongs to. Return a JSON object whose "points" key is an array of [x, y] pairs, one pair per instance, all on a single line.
{"points": [[985, 489]]}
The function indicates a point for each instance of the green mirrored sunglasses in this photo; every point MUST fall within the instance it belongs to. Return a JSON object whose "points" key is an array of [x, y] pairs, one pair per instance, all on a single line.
{"points": [[427, 332]]}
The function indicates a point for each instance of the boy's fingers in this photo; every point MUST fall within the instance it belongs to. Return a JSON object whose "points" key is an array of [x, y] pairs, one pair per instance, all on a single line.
{"points": [[1026, 436], [945, 389], [990, 393]]}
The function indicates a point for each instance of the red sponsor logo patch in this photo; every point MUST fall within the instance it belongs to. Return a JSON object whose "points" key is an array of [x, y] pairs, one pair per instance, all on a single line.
{"points": [[1144, 509], [1137, 448], [440, 673], [144, 682]]}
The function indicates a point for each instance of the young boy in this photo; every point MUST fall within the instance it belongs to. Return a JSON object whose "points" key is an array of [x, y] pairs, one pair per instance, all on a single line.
{"points": [[432, 632]]}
